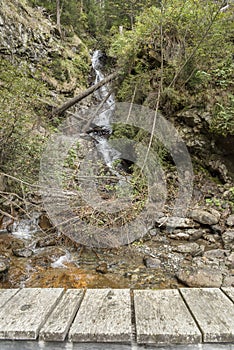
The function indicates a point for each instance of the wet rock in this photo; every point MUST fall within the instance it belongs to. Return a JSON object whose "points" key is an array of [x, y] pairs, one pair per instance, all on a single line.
{"points": [[228, 239], [216, 254], [22, 252], [230, 220], [151, 263], [201, 277], [205, 217], [193, 249], [102, 268]]}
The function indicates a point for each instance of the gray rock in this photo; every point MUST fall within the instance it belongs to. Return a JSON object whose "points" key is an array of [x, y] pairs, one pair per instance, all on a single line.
{"points": [[4, 266], [216, 254], [230, 261], [228, 239], [228, 281], [201, 278], [230, 220], [151, 263], [217, 229], [22, 253], [193, 249], [179, 236], [205, 217], [174, 221], [194, 234]]}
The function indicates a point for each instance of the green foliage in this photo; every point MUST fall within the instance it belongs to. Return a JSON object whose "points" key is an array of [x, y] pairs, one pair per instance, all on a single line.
{"points": [[223, 117], [196, 46], [21, 115]]}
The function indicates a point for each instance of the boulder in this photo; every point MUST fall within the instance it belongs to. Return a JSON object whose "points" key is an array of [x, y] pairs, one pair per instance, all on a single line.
{"points": [[201, 278], [205, 217]]}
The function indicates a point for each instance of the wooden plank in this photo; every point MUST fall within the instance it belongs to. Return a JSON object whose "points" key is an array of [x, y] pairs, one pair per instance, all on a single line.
{"points": [[59, 321], [23, 315], [213, 311], [104, 316], [162, 318], [229, 291], [6, 294]]}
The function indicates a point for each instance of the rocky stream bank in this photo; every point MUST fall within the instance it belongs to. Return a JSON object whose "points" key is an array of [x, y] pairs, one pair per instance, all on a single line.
{"points": [[198, 253]]}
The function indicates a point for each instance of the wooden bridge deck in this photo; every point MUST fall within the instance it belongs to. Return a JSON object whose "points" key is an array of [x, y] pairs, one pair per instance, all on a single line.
{"points": [[124, 319]]}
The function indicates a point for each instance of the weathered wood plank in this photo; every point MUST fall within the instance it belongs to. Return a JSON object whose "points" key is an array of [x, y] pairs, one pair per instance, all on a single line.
{"points": [[104, 316], [229, 291], [23, 315], [213, 311], [163, 318], [59, 321], [34, 345], [6, 294]]}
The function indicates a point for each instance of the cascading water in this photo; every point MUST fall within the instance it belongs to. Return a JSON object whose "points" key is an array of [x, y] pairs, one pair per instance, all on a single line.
{"points": [[103, 119]]}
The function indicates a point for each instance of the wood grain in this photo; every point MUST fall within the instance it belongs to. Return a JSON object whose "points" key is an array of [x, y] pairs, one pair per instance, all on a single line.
{"points": [[59, 321], [104, 316], [163, 318], [214, 313], [23, 315]]}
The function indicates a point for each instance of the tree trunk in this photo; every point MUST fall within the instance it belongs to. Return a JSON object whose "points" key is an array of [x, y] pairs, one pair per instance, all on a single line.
{"points": [[74, 100], [58, 17]]}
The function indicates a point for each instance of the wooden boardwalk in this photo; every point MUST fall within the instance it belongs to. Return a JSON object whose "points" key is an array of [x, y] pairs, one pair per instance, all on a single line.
{"points": [[30, 317]]}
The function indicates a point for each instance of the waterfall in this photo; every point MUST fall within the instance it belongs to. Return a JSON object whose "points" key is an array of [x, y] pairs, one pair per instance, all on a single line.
{"points": [[103, 118]]}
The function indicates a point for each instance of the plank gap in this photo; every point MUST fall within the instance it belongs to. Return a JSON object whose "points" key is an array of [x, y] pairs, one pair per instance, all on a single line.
{"points": [[133, 319], [193, 316]]}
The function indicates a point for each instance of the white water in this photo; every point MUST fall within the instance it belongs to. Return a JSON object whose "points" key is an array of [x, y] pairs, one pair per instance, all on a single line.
{"points": [[25, 228], [103, 119]]}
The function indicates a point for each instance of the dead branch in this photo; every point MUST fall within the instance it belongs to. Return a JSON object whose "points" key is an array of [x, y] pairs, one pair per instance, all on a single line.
{"points": [[82, 95]]}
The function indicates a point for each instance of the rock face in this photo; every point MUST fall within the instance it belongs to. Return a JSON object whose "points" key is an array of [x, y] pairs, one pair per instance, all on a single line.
{"points": [[203, 277], [205, 217], [28, 36]]}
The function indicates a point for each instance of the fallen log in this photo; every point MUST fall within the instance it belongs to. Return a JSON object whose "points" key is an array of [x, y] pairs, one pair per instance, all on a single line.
{"points": [[87, 92]]}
